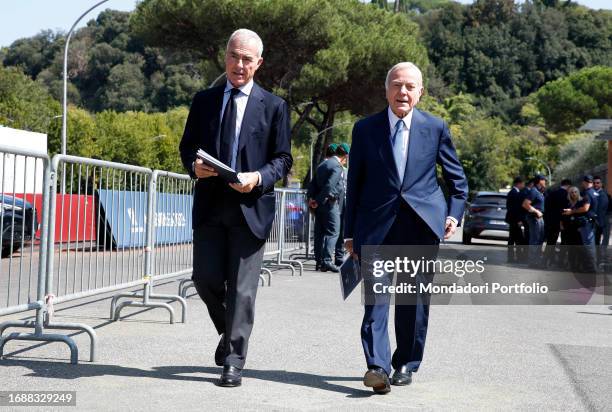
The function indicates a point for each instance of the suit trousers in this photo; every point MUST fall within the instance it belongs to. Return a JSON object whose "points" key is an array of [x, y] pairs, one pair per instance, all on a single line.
{"points": [[318, 238], [536, 239], [340, 252], [411, 320], [328, 215], [552, 229], [516, 238], [227, 260]]}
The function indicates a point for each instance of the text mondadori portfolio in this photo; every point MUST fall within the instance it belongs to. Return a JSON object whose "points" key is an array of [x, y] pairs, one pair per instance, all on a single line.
{"points": [[468, 288]]}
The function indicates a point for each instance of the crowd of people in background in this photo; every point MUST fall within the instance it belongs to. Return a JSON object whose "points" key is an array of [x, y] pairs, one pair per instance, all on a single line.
{"points": [[326, 199], [539, 220], [580, 216]]}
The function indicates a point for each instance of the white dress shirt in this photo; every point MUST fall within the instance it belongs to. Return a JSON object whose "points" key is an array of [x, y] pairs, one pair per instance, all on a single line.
{"points": [[241, 100]]}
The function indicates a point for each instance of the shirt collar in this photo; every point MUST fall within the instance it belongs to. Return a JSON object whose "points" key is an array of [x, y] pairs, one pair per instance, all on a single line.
{"points": [[246, 89], [393, 119]]}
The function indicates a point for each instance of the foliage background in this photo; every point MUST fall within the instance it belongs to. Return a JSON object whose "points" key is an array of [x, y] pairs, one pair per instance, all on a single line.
{"points": [[514, 81]]}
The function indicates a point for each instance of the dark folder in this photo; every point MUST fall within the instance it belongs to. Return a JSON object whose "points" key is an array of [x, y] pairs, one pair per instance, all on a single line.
{"points": [[350, 276], [225, 172]]}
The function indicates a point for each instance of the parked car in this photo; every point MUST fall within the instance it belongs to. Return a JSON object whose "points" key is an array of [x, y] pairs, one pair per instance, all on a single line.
{"points": [[484, 217], [19, 223]]}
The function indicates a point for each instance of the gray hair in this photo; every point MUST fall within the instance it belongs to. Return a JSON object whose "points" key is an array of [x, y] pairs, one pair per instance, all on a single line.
{"points": [[404, 65], [247, 35]]}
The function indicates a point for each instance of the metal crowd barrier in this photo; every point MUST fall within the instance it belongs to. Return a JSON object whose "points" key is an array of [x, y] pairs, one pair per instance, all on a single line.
{"points": [[289, 233], [169, 242], [290, 218], [76, 227], [25, 186]]}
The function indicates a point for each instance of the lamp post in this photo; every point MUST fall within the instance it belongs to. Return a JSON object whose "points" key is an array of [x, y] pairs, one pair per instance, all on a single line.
{"points": [[51, 118], [65, 74], [545, 165]]}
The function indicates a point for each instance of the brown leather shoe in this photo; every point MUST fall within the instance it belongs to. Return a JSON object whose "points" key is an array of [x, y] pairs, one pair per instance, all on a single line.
{"points": [[377, 379]]}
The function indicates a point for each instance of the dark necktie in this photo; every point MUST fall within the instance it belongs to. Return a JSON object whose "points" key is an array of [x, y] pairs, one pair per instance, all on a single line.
{"points": [[228, 128]]}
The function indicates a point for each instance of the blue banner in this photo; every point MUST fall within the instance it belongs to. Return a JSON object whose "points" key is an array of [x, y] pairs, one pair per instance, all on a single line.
{"points": [[124, 214]]}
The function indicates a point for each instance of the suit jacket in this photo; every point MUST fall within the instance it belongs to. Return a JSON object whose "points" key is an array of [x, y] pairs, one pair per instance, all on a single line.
{"points": [[328, 182], [554, 203], [374, 190], [264, 146], [514, 206], [603, 203]]}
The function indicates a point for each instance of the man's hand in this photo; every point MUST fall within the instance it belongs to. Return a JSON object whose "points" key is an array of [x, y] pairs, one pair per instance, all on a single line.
{"points": [[203, 171], [449, 228], [312, 204], [249, 181], [538, 214], [566, 212]]}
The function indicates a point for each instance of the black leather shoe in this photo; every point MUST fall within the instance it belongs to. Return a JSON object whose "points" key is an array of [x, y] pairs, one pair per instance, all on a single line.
{"points": [[231, 377], [401, 377], [328, 266], [377, 379], [220, 352]]}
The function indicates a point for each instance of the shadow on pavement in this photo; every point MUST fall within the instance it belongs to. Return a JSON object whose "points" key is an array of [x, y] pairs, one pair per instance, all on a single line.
{"points": [[56, 370]]}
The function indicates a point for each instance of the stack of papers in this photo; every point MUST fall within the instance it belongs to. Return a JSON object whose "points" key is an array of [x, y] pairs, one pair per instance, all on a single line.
{"points": [[225, 172]]}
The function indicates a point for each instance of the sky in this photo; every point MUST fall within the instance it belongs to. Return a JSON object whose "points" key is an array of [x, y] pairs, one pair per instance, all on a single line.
{"points": [[25, 18]]}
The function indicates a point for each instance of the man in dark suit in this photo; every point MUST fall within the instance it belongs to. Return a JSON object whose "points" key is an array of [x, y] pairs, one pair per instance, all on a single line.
{"points": [[327, 193], [343, 153], [247, 128], [602, 225], [393, 198], [312, 192], [554, 203], [534, 206], [515, 217]]}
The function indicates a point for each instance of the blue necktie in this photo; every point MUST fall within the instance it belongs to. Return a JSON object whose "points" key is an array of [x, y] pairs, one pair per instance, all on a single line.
{"points": [[397, 142]]}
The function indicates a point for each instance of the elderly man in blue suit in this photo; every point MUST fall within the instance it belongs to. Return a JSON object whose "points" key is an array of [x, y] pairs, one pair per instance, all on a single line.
{"points": [[393, 198]]}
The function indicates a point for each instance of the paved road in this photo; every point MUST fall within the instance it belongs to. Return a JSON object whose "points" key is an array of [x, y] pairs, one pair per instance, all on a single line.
{"points": [[305, 354]]}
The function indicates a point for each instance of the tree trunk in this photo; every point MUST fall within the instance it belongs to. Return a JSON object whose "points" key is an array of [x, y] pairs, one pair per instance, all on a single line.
{"points": [[295, 130], [325, 134]]}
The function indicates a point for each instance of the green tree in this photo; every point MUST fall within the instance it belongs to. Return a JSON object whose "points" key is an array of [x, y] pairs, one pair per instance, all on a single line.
{"points": [[568, 103], [35, 53], [315, 51], [24, 103], [501, 51], [484, 148], [125, 89]]}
